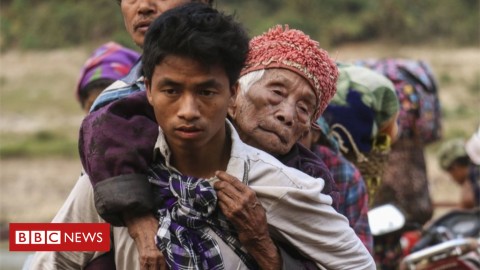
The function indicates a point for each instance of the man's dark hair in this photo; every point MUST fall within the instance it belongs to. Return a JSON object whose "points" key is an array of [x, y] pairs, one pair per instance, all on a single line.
{"points": [[463, 161], [199, 32]]}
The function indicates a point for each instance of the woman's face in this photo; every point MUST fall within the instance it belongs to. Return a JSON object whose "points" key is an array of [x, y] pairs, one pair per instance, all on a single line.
{"points": [[275, 112]]}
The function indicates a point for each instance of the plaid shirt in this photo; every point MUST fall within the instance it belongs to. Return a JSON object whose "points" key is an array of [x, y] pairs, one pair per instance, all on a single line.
{"points": [[187, 206], [353, 200]]}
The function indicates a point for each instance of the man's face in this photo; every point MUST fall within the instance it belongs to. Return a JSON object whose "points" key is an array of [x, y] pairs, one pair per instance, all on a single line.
{"points": [[190, 101], [139, 14], [275, 112], [459, 173]]}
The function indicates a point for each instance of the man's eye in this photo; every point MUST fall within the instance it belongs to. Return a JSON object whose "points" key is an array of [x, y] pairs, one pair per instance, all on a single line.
{"points": [[169, 91], [207, 93]]}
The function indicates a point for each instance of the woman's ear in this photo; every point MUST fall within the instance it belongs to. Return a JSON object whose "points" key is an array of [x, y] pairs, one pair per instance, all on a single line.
{"points": [[232, 107]]}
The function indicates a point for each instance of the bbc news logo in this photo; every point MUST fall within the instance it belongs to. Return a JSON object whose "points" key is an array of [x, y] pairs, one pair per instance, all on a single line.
{"points": [[59, 237]]}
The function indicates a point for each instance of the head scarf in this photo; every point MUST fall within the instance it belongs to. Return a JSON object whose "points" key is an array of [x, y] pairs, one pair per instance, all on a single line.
{"points": [[293, 50], [109, 61], [364, 102]]}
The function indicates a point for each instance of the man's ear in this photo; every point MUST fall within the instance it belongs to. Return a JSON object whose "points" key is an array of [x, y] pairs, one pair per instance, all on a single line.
{"points": [[148, 89], [233, 98]]}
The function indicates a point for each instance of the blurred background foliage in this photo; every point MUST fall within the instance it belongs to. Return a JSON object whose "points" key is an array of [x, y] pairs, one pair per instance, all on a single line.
{"points": [[47, 24], [45, 41]]}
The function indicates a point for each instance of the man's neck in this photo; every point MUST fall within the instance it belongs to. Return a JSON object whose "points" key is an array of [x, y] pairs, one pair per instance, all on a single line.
{"points": [[203, 163]]}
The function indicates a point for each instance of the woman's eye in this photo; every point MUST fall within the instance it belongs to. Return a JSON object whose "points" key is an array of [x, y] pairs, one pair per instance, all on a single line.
{"points": [[278, 92]]}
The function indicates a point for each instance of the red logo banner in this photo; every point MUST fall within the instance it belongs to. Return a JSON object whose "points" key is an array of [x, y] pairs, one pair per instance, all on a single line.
{"points": [[59, 237]]}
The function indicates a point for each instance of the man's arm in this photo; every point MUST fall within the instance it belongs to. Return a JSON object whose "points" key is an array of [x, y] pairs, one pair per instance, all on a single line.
{"points": [[116, 147]]}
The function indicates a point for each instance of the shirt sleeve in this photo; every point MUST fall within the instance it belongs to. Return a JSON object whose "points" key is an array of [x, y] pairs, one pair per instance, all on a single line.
{"points": [[116, 147], [300, 215], [292, 260]]}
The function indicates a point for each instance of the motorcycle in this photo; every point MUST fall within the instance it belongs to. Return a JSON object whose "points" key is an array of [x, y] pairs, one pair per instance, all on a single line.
{"points": [[387, 225], [450, 242]]}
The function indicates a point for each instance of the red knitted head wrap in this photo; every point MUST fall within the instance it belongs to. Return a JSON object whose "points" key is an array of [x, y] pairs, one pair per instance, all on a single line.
{"points": [[294, 50]]}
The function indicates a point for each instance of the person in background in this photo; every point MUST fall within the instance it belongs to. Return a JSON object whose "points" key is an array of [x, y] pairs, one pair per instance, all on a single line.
{"points": [[405, 178], [454, 159], [473, 150], [353, 197], [108, 63], [362, 116]]}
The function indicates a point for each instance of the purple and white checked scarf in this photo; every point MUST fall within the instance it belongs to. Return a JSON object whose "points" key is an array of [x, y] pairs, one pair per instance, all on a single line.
{"points": [[186, 207]]}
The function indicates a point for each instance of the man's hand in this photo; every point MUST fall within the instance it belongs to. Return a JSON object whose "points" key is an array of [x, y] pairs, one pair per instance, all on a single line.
{"points": [[143, 230], [241, 207]]}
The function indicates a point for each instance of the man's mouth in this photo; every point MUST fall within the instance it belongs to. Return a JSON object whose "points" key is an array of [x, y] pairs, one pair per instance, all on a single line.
{"points": [[188, 131], [142, 26]]}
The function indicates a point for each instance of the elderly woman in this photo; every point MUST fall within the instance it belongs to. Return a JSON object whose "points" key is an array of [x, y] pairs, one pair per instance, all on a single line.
{"points": [[282, 89]]}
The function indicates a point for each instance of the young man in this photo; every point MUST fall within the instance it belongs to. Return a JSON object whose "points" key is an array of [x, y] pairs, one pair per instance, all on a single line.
{"points": [[115, 157], [121, 160], [190, 84]]}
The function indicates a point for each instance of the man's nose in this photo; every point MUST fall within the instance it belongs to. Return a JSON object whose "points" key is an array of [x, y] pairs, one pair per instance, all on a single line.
{"points": [[188, 108], [147, 7]]}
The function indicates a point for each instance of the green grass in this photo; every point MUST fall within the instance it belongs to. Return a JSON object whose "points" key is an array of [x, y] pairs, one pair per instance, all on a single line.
{"points": [[474, 87], [39, 144]]}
